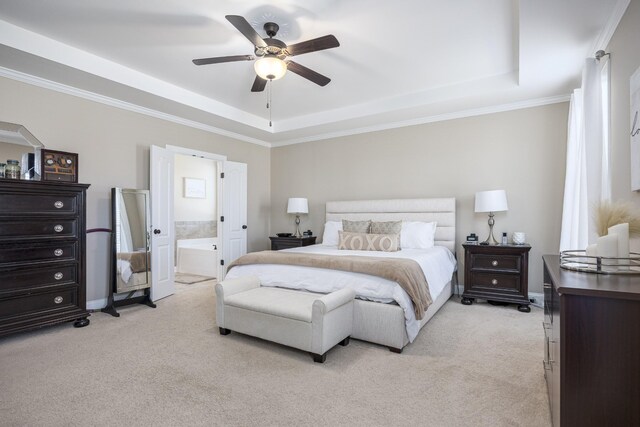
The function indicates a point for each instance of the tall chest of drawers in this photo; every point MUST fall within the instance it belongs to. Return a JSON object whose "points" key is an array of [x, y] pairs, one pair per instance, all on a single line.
{"points": [[42, 254]]}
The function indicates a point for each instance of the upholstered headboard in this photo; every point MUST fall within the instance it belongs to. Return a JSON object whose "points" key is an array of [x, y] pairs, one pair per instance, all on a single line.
{"points": [[441, 210]]}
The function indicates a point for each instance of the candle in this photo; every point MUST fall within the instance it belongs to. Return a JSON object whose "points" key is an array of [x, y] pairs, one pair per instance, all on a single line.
{"points": [[622, 231], [608, 247]]}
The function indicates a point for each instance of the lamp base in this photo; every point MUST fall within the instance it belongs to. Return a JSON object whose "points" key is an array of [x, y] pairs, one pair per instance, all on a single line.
{"points": [[490, 240], [297, 233]]}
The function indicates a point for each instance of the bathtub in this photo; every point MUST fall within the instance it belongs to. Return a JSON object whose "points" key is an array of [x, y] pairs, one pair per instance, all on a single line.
{"points": [[198, 256]]}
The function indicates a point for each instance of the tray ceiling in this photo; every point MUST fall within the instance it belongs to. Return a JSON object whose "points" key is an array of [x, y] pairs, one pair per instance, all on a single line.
{"points": [[398, 63]]}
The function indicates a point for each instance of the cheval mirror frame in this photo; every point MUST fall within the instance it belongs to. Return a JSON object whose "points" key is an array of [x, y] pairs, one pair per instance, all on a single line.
{"points": [[130, 249]]}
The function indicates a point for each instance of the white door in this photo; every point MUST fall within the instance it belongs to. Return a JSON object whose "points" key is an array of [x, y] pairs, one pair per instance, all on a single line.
{"points": [[234, 208], [161, 186]]}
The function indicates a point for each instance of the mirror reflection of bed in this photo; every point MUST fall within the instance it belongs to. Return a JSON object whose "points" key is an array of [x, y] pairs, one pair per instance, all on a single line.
{"points": [[132, 254]]}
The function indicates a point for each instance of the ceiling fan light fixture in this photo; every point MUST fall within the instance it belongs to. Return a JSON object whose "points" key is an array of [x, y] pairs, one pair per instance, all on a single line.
{"points": [[270, 67]]}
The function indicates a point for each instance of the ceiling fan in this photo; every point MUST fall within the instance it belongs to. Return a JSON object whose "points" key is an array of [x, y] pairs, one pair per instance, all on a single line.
{"points": [[272, 54]]}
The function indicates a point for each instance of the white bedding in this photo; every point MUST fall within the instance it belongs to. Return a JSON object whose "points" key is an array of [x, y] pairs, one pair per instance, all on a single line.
{"points": [[438, 264]]}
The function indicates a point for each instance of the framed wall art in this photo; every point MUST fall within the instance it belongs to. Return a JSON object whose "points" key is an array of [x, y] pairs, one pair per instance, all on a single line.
{"points": [[195, 188]]}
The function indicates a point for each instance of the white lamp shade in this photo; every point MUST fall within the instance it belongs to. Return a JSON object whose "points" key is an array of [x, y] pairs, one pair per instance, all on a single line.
{"points": [[491, 201], [270, 67], [298, 205]]}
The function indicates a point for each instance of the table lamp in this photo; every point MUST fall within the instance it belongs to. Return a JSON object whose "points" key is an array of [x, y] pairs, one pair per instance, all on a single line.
{"points": [[297, 206], [491, 201]]}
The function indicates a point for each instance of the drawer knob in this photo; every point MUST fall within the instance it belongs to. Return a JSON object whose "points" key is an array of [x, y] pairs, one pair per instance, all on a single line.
{"points": [[58, 228], [58, 252], [58, 275], [494, 263], [58, 299], [58, 204], [494, 282]]}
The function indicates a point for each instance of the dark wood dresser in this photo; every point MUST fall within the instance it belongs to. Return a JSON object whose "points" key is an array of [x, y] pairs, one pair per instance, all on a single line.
{"points": [[278, 243], [42, 254], [592, 347], [497, 273]]}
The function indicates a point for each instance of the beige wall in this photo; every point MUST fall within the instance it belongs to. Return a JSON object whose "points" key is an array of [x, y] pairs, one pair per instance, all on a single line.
{"points": [[520, 151], [189, 208], [625, 60], [113, 147]]}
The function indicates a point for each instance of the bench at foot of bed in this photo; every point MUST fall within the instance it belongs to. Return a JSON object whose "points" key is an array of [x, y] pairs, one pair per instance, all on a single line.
{"points": [[303, 320]]}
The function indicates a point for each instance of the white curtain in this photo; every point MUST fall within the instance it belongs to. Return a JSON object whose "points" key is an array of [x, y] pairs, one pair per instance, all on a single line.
{"points": [[588, 176]]}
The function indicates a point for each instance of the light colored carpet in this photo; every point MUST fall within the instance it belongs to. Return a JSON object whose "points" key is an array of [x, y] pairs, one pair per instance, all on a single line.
{"points": [[476, 365], [189, 279]]}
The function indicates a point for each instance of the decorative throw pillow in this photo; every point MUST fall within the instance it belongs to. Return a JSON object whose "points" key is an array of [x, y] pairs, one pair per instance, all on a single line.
{"points": [[330, 235], [368, 242], [417, 234], [388, 227], [356, 226]]}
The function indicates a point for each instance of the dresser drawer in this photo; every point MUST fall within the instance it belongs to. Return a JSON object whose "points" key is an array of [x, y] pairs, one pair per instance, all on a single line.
{"points": [[26, 253], [35, 203], [17, 279], [493, 281], [25, 304], [496, 262], [38, 229]]}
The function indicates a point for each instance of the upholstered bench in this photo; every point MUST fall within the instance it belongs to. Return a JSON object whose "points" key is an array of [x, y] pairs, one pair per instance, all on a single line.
{"points": [[303, 320]]}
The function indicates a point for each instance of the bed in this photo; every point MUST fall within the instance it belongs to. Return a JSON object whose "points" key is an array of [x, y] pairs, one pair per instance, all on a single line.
{"points": [[383, 313]]}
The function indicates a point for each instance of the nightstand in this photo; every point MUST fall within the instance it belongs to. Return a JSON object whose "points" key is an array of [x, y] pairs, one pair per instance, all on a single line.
{"points": [[278, 243], [497, 273]]}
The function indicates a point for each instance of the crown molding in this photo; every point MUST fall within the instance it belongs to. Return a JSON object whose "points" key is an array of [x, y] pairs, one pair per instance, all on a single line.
{"points": [[612, 24], [92, 96], [430, 119]]}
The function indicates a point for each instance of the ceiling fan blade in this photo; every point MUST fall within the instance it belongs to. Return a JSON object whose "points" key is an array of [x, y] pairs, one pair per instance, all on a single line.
{"points": [[246, 29], [308, 73], [258, 84], [321, 43], [219, 59]]}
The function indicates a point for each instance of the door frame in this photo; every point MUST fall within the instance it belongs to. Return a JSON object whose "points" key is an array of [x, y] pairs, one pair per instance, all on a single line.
{"points": [[220, 160]]}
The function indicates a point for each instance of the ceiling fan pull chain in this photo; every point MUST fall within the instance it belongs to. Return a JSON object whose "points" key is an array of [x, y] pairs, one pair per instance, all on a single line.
{"points": [[269, 101]]}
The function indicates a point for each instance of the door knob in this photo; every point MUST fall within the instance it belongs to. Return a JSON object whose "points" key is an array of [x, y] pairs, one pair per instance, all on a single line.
{"points": [[156, 231], [244, 227]]}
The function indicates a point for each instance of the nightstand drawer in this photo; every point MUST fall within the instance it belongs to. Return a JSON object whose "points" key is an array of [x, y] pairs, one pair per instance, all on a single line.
{"points": [[278, 243], [496, 262], [495, 281]]}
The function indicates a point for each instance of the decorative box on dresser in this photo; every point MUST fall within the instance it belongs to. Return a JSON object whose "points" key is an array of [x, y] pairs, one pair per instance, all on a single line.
{"points": [[278, 243], [42, 254], [592, 347], [497, 273]]}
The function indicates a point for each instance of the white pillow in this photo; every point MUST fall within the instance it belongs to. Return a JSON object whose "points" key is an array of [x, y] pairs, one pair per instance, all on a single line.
{"points": [[330, 235], [417, 234]]}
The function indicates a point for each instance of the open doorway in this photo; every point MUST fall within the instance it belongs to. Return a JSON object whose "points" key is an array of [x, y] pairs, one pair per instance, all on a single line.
{"points": [[195, 220], [230, 204]]}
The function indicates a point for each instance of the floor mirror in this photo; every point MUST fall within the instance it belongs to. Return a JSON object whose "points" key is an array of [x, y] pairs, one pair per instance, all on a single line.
{"points": [[130, 249]]}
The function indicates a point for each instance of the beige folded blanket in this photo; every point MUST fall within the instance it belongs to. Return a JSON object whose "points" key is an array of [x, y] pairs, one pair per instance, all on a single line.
{"points": [[406, 272]]}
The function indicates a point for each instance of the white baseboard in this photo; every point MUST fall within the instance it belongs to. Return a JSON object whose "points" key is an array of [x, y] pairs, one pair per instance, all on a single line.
{"points": [[96, 304], [538, 299]]}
